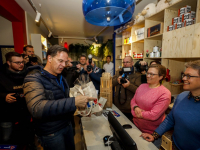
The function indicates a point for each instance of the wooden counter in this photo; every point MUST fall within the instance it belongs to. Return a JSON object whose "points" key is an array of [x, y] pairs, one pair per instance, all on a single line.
{"points": [[96, 127]]}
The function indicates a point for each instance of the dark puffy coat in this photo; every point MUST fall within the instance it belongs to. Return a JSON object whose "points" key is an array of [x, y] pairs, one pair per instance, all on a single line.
{"points": [[12, 82], [49, 105]]}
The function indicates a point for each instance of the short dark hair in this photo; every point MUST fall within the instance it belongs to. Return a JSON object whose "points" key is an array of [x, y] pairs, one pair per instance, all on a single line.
{"points": [[9, 55], [194, 65], [157, 62], [108, 56], [53, 50], [161, 71], [83, 56], [30, 46]]}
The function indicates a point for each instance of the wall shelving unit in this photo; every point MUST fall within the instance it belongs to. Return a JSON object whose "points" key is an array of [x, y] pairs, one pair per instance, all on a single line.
{"points": [[178, 46]]}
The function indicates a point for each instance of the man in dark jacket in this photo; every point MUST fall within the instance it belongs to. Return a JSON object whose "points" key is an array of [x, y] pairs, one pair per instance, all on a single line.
{"points": [[47, 97], [125, 92], [14, 115]]}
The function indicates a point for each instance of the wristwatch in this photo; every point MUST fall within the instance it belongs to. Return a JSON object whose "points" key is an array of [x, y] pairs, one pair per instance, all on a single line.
{"points": [[135, 107]]}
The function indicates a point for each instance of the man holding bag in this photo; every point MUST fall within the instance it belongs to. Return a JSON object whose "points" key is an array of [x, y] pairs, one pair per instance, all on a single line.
{"points": [[47, 98]]}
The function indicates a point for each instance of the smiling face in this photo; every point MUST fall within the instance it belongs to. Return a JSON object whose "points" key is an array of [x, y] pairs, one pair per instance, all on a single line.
{"points": [[192, 84], [57, 63], [82, 60], [153, 76]]}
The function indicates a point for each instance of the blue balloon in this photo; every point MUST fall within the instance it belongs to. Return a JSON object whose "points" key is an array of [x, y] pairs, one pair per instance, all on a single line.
{"points": [[108, 12]]}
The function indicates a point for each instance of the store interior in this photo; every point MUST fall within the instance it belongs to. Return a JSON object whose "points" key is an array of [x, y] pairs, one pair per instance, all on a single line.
{"points": [[162, 31]]}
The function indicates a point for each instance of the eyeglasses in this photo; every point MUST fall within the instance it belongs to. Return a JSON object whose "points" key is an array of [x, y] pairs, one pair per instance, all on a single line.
{"points": [[18, 62], [150, 74], [189, 76], [126, 62]]}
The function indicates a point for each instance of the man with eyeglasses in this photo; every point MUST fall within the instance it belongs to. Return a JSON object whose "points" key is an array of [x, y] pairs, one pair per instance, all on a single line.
{"points": [[12, 102], [125, 92], [184, 117], [47, 97]]}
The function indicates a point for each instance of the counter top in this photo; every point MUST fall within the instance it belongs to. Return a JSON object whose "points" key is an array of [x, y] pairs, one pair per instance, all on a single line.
{"points": [[96, 127]]}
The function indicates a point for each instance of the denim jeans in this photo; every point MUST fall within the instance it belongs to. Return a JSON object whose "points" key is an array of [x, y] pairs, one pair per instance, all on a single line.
{"points": [[157, 142], [60, 140]]}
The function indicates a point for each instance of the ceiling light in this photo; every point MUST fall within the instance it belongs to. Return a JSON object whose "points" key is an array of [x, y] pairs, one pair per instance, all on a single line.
{"points": [[37, 18], [50, 33], [108, 19], [93, 12]]}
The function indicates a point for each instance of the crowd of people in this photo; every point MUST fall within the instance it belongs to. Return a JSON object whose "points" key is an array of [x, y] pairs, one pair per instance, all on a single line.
{"points": [[34, 99]]}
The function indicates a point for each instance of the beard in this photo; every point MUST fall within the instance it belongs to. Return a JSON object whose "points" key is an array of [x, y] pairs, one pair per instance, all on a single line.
{"points": [[16, 69]]}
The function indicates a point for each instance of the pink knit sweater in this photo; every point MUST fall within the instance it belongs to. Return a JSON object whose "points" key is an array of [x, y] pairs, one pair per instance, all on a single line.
{"points": [[154, 102]]}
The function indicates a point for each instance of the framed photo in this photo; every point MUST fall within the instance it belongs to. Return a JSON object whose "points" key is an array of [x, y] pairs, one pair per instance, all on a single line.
{"points": [[154, 30]]}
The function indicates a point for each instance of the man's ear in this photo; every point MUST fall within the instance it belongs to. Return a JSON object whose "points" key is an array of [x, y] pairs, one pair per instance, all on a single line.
{"points": [[49, 58], [8, 62]]}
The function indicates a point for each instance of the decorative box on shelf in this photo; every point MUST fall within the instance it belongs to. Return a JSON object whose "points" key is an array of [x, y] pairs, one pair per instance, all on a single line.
{"points": [[154, 30], [139, 34]]}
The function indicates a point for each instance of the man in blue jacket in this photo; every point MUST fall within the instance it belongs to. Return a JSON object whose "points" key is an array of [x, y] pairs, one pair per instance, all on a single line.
{"points": [[47, 98], [185, 115]]}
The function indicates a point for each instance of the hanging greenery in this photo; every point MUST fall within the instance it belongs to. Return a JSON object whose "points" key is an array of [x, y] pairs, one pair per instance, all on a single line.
{"points": [[101, 52]]}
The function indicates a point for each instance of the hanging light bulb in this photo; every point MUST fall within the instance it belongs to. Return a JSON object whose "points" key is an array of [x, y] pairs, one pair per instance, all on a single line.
{"points": [[50, 33], [37, 18], [96, 12], [61, 41]]}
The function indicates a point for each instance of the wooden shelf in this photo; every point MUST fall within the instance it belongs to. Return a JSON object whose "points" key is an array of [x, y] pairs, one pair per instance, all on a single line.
{"points": [[152, 57], [180, 84], [139, 41], [178, 46], [137, 58], [155, 37], [128, 44], [140, 24], [159, 16]]}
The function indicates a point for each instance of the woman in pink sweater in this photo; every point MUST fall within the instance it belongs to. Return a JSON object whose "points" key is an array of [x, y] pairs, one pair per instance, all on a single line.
{"points": [[151, 100]]}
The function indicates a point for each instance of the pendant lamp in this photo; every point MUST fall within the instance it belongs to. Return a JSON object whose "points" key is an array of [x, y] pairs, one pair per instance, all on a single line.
{"points": [[108, 12]]}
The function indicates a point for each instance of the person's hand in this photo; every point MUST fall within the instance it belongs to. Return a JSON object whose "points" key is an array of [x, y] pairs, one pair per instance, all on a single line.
{"points": [[78, 66], [125, 85], [148, 137], [85, 67], [143, 63], [138, 112], [26, 59], [81, 101], [89, 72], [118, 79], [10, 98], [143, 72]]}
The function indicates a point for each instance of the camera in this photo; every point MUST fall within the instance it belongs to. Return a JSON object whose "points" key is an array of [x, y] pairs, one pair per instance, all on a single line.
{"points": [[74, 63], [89, 67], [142, 68], [18, 95], [124, 73], [32, 59]]}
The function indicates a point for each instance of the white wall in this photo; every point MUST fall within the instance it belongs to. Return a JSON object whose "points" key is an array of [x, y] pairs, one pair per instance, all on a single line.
{"points": [[33, 28], [6, 32]]}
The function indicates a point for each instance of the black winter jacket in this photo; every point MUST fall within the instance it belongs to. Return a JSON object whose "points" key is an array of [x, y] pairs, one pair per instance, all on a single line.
{"points": [[12, 82], [49, 105]]}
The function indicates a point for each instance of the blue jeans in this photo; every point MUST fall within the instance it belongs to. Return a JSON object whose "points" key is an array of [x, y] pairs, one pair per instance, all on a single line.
{"points": [[157, 142], [60, 140]]}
